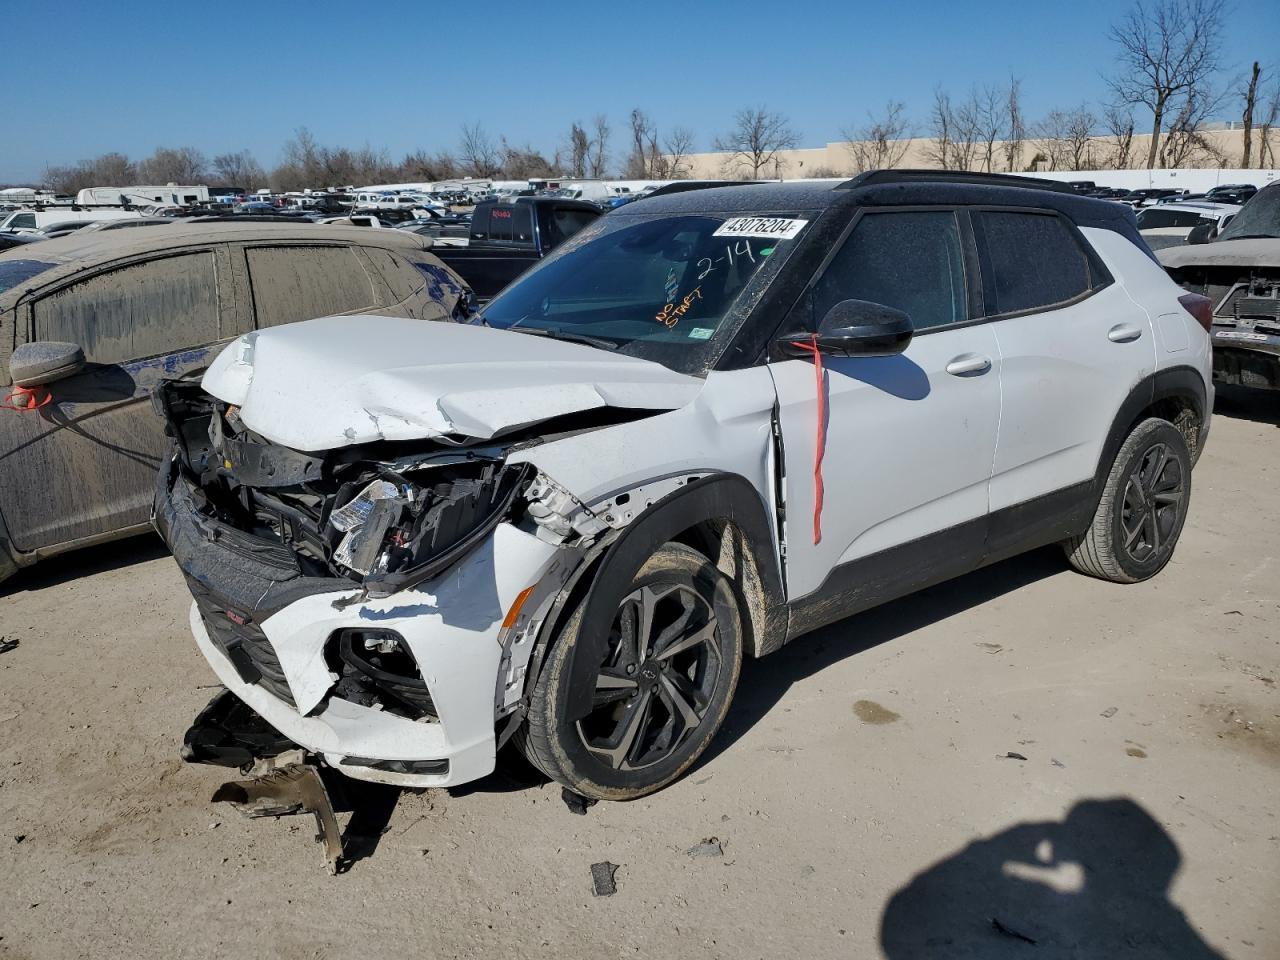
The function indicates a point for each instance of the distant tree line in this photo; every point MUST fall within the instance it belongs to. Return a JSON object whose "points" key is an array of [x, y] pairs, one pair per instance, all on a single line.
{"points": [[1167, 66]]}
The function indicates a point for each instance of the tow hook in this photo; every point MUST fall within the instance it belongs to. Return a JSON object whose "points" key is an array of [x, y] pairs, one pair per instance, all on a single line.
{"points": [[284, 785]]}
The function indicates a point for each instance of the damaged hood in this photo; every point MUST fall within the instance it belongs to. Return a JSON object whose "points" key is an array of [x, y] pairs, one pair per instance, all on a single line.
{"points": [[338, 381], [1258, 252]]}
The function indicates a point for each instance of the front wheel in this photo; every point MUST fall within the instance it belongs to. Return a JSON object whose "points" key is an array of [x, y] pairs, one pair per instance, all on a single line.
{"points": [[671, 665], [1142, 509]]}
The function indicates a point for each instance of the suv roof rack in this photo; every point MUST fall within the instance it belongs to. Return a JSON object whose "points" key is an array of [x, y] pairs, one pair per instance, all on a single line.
{"points": [[875, 177]]}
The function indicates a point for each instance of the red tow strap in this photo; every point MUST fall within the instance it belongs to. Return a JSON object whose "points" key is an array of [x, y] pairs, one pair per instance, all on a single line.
{"points": [[26, 398], [819, 434]]}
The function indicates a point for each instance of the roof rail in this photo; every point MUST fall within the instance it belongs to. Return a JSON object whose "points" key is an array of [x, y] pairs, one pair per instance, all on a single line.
{"points": [[876, 177]]}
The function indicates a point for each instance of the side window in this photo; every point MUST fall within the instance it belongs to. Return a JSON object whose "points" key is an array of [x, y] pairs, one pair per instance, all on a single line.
{"points": [[22, 221], [522, 223], [1032, 260], [500, 223], [142, 310], [565, 223], [480, 223], [911, 261], [299, 283]]}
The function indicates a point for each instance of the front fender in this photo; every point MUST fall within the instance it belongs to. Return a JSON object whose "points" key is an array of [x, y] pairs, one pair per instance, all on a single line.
{"points": [[724, 497]]}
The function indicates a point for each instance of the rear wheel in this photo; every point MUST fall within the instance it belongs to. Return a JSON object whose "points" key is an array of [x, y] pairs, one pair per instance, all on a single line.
{"points": [[1142, 509], [662, 689]]}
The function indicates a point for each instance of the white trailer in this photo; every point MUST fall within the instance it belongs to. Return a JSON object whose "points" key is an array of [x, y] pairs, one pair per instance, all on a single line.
{"points": [[172, 194]]}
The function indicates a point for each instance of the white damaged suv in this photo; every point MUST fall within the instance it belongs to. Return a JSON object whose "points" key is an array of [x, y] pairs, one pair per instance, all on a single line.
{"points": [[711, 422]]}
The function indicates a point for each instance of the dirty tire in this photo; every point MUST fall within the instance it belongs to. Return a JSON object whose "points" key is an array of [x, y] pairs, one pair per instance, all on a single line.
{"points": [[1142, 509], [684, 676]]}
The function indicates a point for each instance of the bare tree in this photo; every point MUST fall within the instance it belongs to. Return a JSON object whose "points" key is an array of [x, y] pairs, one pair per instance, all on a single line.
{"points": [[105, 170], [524, 162], [966, 133], [600, 145], [643, 142], [881, 143], [238, 169], [423, 166], [576, 151], [988, 120], [1051, 139], [1185, 144], [941, 123], [477, 152], [173, 165], [1119, 125], [756, 140], [676, 149], [1269, 117], [1015, 126], [1250, 102], [1168, 49]]}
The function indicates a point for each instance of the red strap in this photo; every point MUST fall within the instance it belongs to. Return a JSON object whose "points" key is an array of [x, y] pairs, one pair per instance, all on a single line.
{"points": [[26, 398], [820, 433]]}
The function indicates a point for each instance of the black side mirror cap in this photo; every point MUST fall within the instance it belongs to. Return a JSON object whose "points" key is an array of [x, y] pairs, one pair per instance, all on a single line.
{"points": [[35, 364], [853, 328]]}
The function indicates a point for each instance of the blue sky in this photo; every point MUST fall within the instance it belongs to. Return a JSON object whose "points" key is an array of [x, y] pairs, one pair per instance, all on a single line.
{"points": [[230, 75]]}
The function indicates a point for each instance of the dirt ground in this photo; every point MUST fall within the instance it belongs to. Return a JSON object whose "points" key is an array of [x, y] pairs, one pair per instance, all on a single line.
{"points": [[1022, 753]]}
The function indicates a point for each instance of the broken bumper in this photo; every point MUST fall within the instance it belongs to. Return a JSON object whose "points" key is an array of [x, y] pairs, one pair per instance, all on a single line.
{"points": [[279, 660]]}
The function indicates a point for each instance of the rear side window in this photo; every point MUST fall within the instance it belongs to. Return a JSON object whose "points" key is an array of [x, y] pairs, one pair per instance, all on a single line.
{"points": [[522, 224], [142, 310], [480, 223], [911, 261], [1033, 261], [565, 223], [299, 283]]}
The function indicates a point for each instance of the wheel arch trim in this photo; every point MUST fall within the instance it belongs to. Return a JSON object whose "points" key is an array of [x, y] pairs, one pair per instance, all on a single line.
{"points": [[718, 497]]}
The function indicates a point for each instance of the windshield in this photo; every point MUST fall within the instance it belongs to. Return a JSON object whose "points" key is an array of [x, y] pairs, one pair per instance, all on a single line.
{"points": [[1260, 217], [667, 288], [14, 272]]}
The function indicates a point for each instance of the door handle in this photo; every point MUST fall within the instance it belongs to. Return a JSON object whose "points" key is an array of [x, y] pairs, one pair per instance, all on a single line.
{"points": [[969, 365], [1123, 333]]}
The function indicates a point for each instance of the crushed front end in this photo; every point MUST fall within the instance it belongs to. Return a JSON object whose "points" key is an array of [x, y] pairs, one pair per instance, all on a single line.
{"points": [[355, 599], [1246, 320]]}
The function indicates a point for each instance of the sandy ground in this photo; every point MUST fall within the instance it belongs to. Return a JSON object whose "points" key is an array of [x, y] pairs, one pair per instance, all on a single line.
{"points": [[865, 792]]}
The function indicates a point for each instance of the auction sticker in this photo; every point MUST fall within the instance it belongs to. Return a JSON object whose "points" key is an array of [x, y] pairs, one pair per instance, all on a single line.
{"points": [[772, 228]]}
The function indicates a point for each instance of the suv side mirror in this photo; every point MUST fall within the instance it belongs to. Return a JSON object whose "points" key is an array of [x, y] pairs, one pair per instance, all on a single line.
{"points": [[34, 364], [854, 328], [1201, 234]]}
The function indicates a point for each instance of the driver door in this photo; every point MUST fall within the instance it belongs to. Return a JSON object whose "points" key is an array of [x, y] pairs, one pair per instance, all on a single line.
{"points": [[909, 439]]}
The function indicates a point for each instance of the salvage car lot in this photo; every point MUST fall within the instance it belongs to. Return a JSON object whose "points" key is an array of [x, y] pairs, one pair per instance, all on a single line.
{"points": [[868, 754]]}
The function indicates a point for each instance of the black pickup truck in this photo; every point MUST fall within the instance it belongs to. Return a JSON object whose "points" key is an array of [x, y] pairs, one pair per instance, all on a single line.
{"points": [[507, 237]]}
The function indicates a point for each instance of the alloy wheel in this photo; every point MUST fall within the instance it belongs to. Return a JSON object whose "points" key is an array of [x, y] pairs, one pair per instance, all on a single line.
{"points": [[1154, 496], [655, 685]]}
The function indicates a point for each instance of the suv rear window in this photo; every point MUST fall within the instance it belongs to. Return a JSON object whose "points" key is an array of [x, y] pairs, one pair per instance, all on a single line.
{"points": [[1033, 260]]}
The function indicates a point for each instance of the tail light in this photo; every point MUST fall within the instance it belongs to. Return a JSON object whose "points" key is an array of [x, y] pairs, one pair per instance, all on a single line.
{"points": [[1199, 307]]}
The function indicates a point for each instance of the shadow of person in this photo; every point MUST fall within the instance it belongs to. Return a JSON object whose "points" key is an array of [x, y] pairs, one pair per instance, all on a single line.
{"points": [[1095, 884]]}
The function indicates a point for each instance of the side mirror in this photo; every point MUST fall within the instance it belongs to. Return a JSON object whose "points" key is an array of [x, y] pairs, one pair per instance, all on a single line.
{"points": [[1201, 234], [854, 328], [34, 364]]}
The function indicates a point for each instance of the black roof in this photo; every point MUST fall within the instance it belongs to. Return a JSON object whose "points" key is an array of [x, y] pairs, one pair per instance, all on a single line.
{"points": [[755, 197], [899, 188]]}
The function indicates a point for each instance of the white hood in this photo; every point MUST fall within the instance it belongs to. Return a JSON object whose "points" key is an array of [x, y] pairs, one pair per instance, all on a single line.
{"points": [[337, 381]]}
